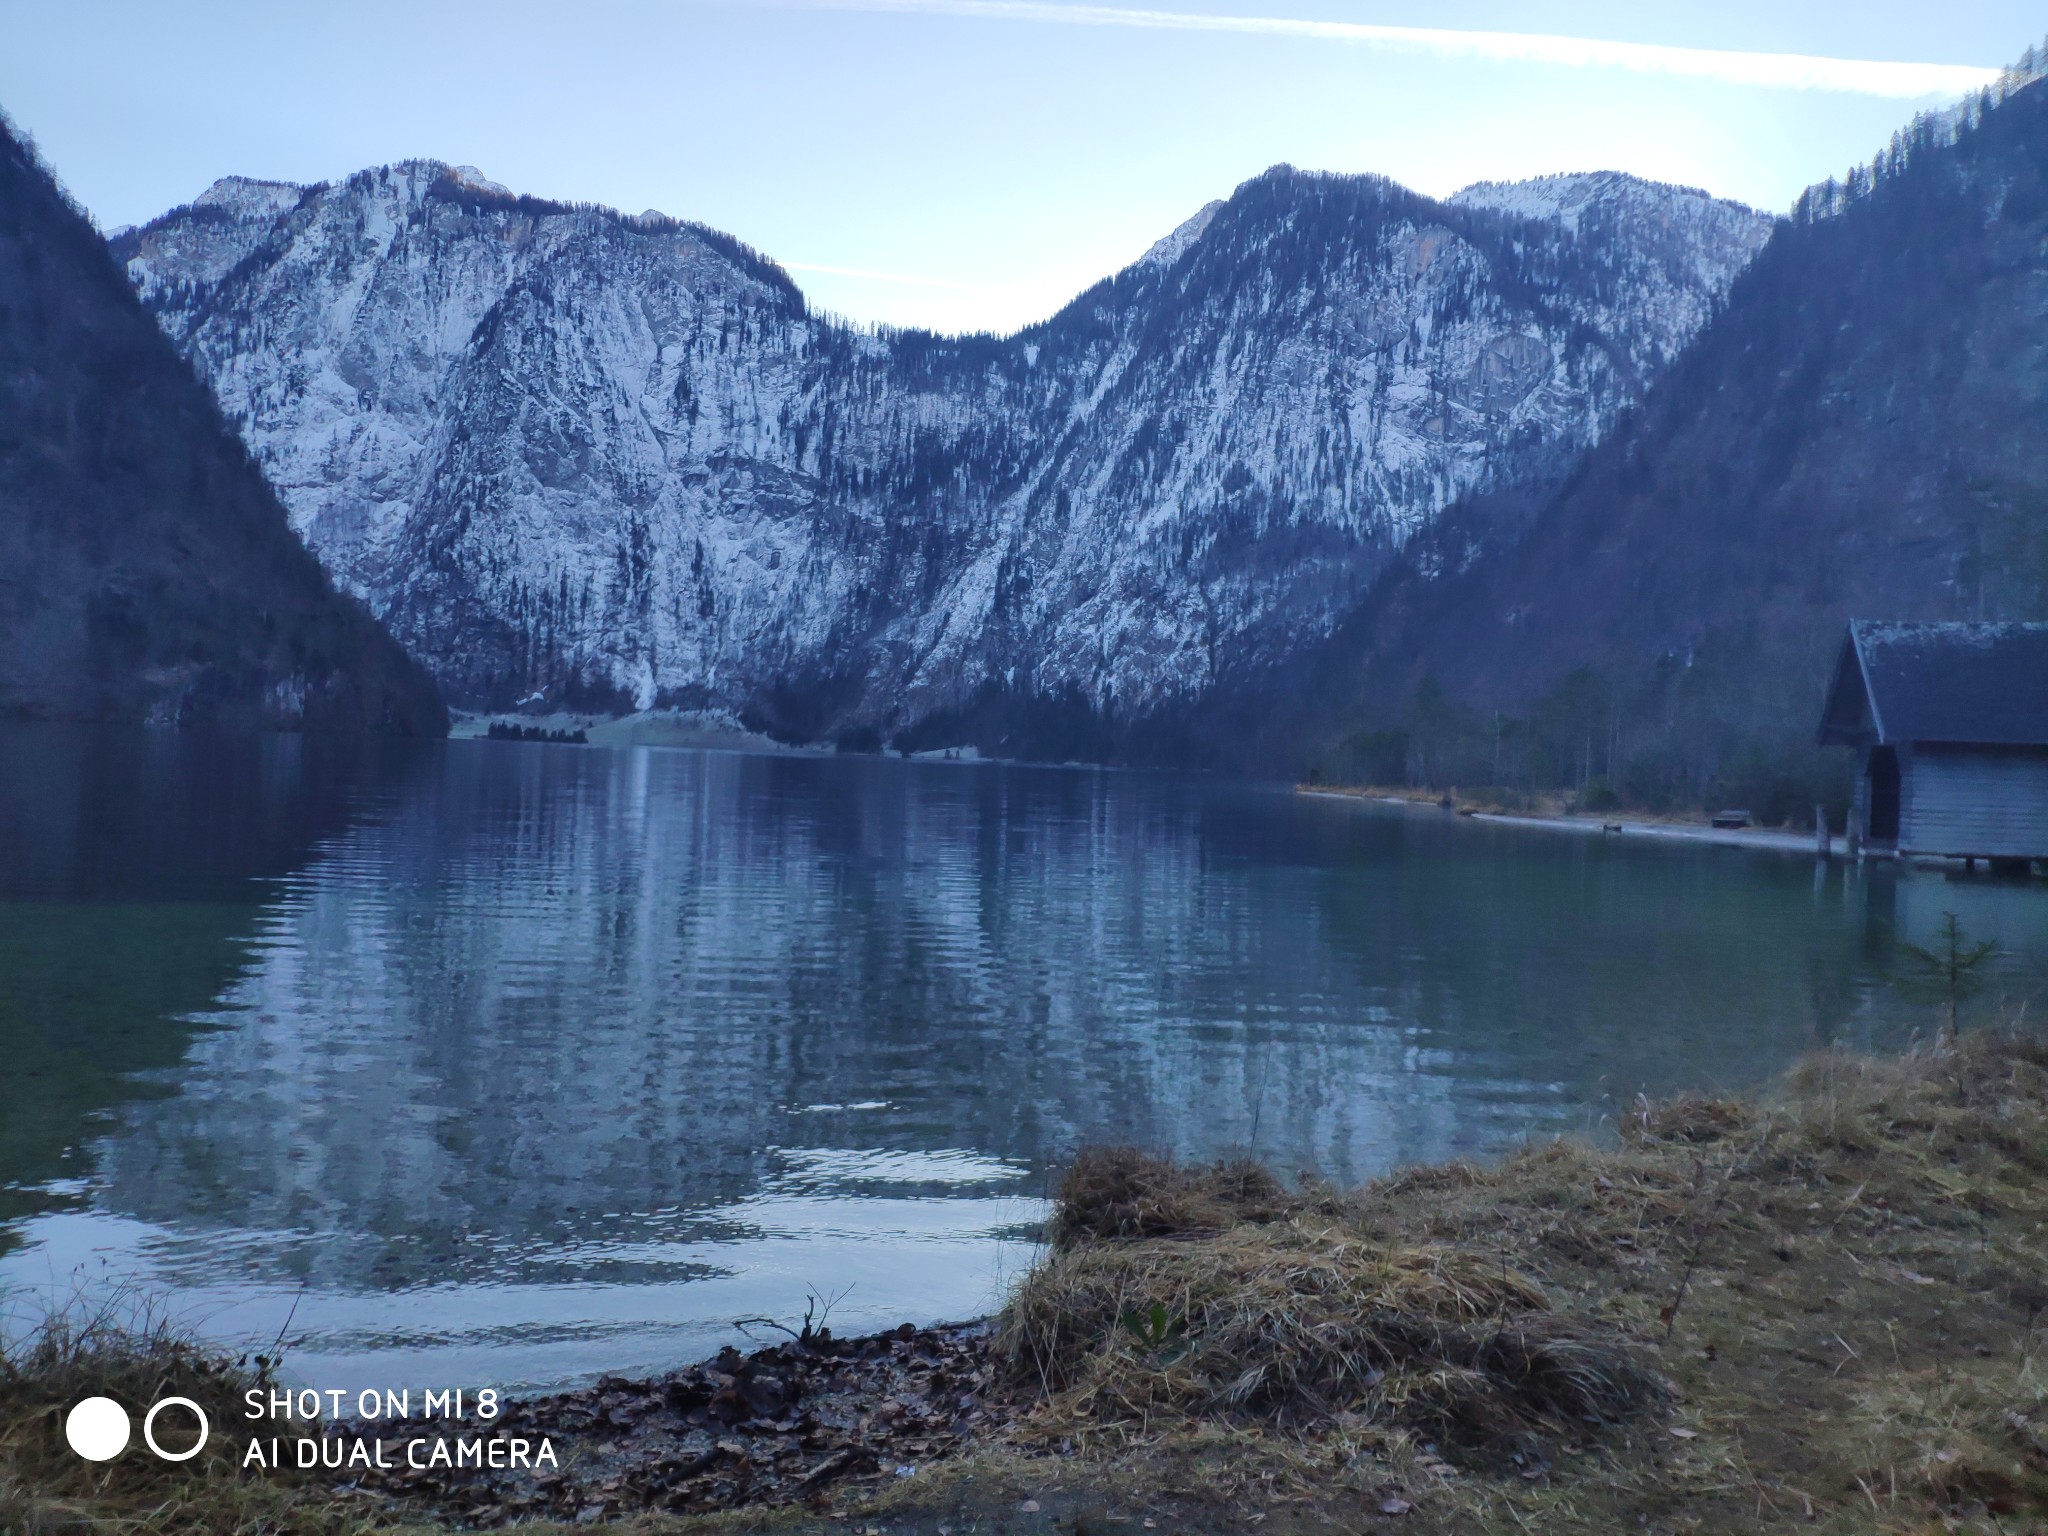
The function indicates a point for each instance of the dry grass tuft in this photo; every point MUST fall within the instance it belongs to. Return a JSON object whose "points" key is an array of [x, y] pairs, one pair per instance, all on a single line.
{"points": [[1688, 1118], [1293, 1322], [46, 1488], [1120, 1192]]}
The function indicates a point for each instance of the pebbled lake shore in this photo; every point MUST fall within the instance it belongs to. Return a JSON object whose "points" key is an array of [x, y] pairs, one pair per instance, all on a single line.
{"points": [[791, 1424]]}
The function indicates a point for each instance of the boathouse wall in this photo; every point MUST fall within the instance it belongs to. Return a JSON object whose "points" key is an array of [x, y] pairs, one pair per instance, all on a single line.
{"points": [[1982, 801]]}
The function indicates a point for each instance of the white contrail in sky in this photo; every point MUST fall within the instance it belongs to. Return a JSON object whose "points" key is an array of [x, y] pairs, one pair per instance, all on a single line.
{"points": [[1789, 71]]}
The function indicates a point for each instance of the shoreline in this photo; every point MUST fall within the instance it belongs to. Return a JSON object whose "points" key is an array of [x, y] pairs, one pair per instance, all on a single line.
{"points": [[710, 731], [775, 1426], [1813, 1308], [1606, 825]]}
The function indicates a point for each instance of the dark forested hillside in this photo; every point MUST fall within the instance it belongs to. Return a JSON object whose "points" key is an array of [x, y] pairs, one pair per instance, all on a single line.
{"points": [[1862, 432], [146, 570]]}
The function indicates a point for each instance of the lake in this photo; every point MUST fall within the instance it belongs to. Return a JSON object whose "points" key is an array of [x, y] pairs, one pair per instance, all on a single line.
{"points": [[490, 1063]]}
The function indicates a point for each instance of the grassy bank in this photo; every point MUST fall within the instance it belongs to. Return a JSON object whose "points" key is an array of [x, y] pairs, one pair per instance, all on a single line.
{"points": [[46, 1488], [1818, 1310]]}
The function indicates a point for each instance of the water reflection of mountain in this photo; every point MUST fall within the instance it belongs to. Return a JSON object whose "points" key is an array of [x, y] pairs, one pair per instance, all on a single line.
{"points": [[127, 898], [548, 997]]}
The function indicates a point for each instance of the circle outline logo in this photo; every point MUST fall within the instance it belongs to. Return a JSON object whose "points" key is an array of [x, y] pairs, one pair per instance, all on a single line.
{"points": [[149, 1427]]}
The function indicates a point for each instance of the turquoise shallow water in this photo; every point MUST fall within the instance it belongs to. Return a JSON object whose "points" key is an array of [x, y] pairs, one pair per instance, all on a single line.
{"points": [[508, 1064]]}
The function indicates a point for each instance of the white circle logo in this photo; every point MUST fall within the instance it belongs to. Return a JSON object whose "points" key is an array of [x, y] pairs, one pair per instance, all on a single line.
{"points": [[149, 1427], [97, 1428]]}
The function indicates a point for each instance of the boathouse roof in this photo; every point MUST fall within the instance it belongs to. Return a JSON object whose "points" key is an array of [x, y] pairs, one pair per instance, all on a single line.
{"points": [[1981, 684]]}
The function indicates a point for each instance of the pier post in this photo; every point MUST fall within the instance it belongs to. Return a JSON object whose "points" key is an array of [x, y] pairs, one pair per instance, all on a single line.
{"points": [[1822, 842]]}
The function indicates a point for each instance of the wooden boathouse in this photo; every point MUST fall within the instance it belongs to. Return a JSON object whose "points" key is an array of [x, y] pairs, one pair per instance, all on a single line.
{"points": [[1950, 727]]}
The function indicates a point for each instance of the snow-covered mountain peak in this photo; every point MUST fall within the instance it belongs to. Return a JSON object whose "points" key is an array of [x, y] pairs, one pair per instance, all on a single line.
{"points": [[1167, 249], [244, 197]]}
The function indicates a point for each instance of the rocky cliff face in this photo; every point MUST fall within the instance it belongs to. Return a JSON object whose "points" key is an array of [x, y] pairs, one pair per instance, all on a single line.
{"points": [[589, 458], [146, 570]]}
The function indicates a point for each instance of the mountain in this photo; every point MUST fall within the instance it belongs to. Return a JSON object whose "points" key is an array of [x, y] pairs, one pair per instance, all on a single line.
{"points": [[1858, 434], [585, 458], [146, 570]]}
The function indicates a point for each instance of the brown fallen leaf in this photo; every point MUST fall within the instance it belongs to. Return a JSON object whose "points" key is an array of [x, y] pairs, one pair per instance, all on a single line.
{"points": [[1394, 1504]]}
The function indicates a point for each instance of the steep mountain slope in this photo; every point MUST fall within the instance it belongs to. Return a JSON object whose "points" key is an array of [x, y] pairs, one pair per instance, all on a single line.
{"points": [[1859, 434], [585, 457], [146, 570]]}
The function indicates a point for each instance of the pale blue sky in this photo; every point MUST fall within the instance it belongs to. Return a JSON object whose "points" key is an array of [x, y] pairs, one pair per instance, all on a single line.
{"points": [[984, 159]]}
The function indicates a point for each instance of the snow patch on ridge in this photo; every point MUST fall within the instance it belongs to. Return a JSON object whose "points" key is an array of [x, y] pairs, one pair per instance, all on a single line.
{"points": [[469, 176], [1169, 249], [1565, 197]]}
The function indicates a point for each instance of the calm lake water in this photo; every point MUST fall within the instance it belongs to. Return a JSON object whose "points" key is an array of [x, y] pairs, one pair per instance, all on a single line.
{"points": [[490, 1063]]}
